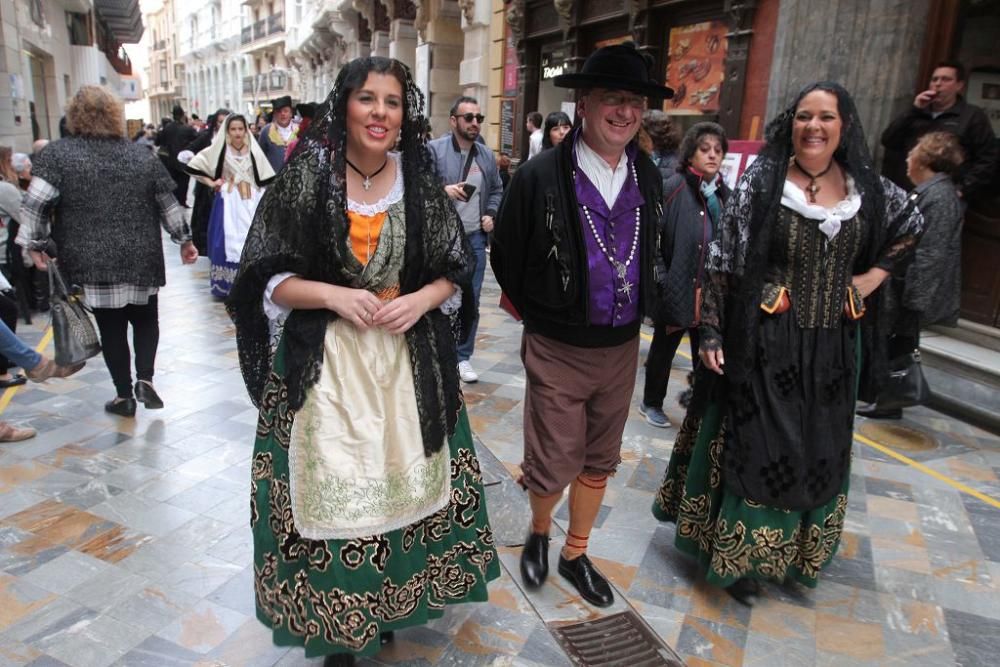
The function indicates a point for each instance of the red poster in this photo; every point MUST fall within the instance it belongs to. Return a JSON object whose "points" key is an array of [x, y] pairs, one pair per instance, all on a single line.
{"points": [[509, 61], [696, 66], [741, 155]]}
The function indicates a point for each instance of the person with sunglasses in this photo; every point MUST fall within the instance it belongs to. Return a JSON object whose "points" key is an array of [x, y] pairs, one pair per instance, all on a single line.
{"points": [[574, 250], [469, 172]]}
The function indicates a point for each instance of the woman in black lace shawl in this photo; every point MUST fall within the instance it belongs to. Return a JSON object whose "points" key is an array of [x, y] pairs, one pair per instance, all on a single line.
{"points": [[367, 503], [758, 477]]}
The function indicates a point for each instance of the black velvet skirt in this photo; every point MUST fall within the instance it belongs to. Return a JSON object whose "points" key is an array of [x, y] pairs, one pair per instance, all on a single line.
{"points": [[791, 422]]}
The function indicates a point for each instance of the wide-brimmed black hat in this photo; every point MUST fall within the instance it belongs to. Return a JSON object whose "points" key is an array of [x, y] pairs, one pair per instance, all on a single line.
{"points": [[281, 103], [616, 67], [305, 109]]}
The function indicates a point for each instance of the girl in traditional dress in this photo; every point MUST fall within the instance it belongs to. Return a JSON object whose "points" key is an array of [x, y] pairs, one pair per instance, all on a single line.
{"points": [[758, 478], [236, 167], [367, 504]]}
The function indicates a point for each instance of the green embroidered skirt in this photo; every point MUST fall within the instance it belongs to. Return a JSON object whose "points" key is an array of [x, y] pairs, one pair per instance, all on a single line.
{"points": [[734, 537], [337, 596]]}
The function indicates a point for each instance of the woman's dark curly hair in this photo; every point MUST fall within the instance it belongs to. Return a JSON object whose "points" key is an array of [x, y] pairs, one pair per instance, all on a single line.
{"points": [[665, 135], [689, 144]]}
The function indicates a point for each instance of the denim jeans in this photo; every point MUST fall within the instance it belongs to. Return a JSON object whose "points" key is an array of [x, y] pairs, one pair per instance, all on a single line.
{"points": [[16, 351], [478, 242]]}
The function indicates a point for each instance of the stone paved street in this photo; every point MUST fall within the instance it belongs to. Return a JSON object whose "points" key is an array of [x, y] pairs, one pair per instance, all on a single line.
{"points": [[126, 541]]}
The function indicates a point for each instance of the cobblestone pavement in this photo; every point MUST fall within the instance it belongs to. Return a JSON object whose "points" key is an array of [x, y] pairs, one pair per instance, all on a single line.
{"points": [[126, 541]]}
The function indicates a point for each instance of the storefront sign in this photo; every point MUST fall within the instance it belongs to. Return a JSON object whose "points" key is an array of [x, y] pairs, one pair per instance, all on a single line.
{"points": [[509, 61], [553, 64], [507, 126], [696, 66]]}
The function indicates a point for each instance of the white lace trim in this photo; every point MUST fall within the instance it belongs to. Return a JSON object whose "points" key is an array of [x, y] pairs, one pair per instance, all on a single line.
{"points": [[383, 204], [793, 197]]}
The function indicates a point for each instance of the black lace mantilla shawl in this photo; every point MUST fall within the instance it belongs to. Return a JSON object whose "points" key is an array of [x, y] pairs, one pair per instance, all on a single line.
{"points": [[301, 227]]}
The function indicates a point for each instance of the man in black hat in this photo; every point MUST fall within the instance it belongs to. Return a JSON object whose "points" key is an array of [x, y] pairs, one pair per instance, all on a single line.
{"points": [[171, 140], [276, 135], [573, 249]]}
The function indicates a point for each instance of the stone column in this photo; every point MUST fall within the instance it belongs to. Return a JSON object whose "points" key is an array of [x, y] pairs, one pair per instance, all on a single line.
{"points": [[871, 47], [474, 70], [402, 32], [438, 56]]}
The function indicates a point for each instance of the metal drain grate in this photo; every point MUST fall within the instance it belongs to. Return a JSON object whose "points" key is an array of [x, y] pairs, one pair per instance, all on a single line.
{"points": [[621, 640]]}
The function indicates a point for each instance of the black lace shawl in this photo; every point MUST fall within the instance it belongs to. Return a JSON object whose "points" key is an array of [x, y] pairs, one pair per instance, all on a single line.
{"points": [[738, 256], [301, 226]]}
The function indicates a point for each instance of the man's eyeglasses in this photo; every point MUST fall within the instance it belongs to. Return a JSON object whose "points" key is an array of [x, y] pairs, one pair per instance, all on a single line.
{"points": [[615, 98], [469, 117]]}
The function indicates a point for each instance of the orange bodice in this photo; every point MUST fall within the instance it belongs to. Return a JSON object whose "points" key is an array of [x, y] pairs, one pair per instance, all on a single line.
{"points": [[365, 230]]}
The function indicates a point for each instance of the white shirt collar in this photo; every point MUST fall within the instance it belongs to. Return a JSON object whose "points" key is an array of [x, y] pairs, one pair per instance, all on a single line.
{"points": [[608, 181], [793, 197]]}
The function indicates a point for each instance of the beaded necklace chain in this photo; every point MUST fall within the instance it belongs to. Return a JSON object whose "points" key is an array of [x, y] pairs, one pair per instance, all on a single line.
{"points": [[621, 268]]}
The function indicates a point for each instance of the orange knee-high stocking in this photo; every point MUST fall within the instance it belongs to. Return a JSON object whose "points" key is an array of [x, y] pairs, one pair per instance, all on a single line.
{"points": [[541, 511], [585, 496]]}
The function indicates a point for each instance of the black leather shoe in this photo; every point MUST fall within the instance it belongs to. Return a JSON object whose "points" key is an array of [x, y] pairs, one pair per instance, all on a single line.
{"points": [[145, 394], [591, 585], [123, 408], [338, 660], [875, 412], [535, 560]]}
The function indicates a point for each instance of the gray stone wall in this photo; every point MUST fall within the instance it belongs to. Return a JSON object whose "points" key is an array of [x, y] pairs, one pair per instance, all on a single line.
{"points": [[871, 47]]}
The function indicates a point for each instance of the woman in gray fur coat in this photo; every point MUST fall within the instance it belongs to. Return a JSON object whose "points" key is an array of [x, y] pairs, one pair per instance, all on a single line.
{"points": [[929, 292]]}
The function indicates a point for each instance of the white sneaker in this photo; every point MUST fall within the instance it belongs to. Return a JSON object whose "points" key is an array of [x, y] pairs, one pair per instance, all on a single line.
{"points": [[467, 373]]}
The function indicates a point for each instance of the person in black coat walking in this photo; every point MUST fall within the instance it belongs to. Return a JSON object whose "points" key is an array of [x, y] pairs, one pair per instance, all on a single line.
{"points": [[692, 204], [172, 139]]}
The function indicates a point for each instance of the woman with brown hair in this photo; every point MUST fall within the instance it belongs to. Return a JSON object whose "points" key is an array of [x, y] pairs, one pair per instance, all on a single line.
{"points": [[930, 291], [367, 506], [106, 225]]}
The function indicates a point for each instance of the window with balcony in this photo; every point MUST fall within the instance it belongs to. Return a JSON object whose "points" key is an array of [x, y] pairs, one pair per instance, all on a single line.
{"points": [[78, 26]]}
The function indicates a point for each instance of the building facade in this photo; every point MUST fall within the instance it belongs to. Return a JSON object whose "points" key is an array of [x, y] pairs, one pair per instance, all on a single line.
{"points": [[268, 74], [208, 49], [165, 73], [51, 48]]}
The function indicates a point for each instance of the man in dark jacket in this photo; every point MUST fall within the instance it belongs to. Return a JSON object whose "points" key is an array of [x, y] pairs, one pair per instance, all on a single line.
{"points": [[172, 139], [942, 108], [574, 249]]}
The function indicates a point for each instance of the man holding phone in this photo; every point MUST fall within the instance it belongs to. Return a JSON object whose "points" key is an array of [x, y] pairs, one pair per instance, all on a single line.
{"points": [[468, 170]]}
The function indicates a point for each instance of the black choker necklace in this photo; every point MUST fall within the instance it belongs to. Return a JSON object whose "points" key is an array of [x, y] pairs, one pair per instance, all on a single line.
{"points": [[812, 188], [367, 182]]}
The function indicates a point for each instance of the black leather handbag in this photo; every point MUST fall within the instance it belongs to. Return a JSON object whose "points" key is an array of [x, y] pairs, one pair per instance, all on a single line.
{"points": [[73, 331], [906, 385]]}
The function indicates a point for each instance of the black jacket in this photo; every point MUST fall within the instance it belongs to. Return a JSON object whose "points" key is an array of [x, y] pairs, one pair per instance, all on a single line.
{"points": [[539, 254], [686, 230], [966, 121], [172, 139]]}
